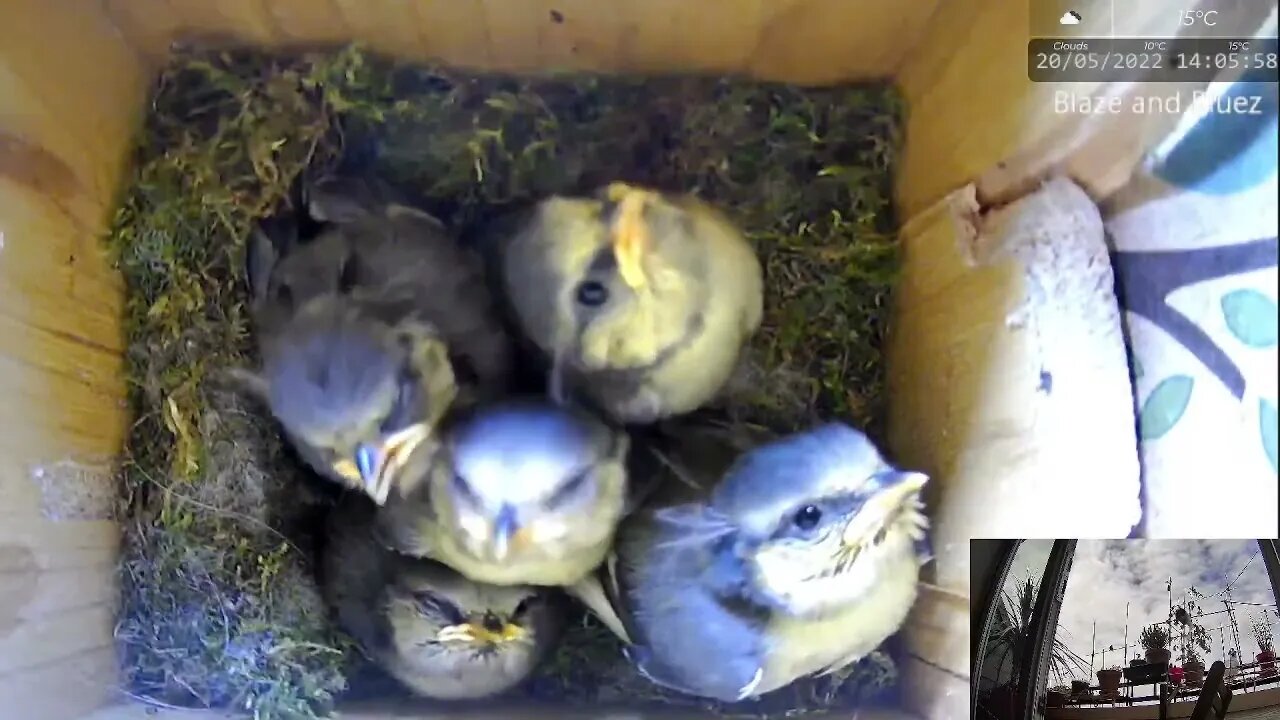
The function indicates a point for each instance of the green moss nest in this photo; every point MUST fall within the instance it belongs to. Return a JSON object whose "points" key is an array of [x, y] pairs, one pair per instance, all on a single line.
{"points": [[219, 608]]}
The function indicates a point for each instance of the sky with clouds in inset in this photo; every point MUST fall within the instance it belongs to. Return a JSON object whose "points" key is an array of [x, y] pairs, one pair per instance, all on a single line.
{"points": [[1107, 574]]}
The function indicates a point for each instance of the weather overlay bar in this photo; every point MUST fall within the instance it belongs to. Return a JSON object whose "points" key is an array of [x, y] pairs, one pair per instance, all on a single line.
{"points": [[1149, 59]]}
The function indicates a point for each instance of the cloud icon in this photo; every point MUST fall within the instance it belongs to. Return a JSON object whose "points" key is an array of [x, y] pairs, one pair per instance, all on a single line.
{"points": [[1070, 17]]}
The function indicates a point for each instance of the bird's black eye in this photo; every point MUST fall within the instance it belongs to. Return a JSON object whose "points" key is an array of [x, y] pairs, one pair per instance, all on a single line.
{"points": [[570, 488], [592, 293], [807, 517]]}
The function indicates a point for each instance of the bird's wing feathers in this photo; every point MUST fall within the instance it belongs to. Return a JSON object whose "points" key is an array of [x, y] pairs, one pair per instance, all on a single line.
{"points": [[356, 572], [272, 239], [405, 522], [676, 619]]}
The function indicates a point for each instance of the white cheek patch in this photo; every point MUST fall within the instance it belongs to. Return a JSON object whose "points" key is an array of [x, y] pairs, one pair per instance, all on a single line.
{"points": [[474, 526], [547, 531], [797, 577]]}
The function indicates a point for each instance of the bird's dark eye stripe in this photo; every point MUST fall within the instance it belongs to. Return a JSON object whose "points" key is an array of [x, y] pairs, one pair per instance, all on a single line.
{"points": [[568, 489], [432, 604], [464, 489]]}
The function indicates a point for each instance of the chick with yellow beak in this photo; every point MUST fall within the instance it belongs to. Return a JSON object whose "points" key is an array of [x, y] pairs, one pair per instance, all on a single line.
{"points": [[438, 633], [795, 557], [372, 321], [641, 301], [520, 492]]}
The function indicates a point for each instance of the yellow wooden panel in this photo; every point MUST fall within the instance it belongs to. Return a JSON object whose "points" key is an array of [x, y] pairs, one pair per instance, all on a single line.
{"points": [[578, 34], [450, 32], [53, 272], [32, 643], [515, 32], [247, 20], [62, 544], [65, 689], [39, 489], [829, 41], [61, 355], [58, 593], [975, 115], [387, 26], [936, 677], [676, 35], [148, 25], [82, 108], [308, 21]]}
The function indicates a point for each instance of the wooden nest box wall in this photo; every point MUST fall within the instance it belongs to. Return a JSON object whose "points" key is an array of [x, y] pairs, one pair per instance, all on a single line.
{"points": [[996, 192]]}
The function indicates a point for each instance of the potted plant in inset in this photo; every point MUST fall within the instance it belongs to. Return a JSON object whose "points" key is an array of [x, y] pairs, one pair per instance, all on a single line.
{"points": [[1192, 640], [1155, 639], [1266, 650], [1193, 667], [1109, 682], [1058, 696], [1079, 688], [1010, 628]]}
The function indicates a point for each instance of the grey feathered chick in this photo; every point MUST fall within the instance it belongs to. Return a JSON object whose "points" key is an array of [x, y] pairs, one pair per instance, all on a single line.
{"points": [[369, 330], [440, 634], [797, 558], [519, 492], [641, 301]]}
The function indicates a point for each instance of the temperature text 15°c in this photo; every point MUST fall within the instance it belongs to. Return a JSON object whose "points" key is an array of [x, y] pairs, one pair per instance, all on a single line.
{"points": [[1208, 18]]}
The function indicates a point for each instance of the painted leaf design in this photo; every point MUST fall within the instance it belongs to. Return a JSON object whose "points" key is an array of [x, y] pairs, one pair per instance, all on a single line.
{"points": [[1267, 426], [1251, 317], [1164, 406]]}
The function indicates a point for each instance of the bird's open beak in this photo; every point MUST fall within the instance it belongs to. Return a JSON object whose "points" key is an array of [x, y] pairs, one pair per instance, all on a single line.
{"points": [[474, 632], [895, 489], [507, 533], [629, 232], [388, 458]]}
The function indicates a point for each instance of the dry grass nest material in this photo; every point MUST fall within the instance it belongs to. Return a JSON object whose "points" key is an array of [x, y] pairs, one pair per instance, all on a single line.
{"points": [[219, 608]]}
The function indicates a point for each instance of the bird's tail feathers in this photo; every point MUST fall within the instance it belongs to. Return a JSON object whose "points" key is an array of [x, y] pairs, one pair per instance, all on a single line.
{"points": [[591, 593]]}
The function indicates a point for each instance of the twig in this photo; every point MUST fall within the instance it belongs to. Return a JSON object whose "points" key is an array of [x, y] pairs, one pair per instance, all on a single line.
{"points": [[148, 700]]}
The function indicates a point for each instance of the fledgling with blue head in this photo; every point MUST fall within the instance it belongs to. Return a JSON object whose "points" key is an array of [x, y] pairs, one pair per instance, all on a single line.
{"points": [[754, 568], [519, 491], [372, 322]]}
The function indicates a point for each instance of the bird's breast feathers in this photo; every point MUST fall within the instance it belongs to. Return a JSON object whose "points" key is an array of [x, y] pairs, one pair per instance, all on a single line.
{"points": [[798, 647]]}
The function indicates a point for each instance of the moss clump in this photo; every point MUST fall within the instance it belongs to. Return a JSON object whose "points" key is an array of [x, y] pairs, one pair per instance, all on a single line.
{"points": [[219, 608]]}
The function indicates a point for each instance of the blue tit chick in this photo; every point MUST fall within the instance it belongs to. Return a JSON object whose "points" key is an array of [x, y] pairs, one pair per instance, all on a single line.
{"points": [[519, 492], [371, 321], [641, 301], [441, 635], [357, 397], [369, 246], [798, 557]]}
